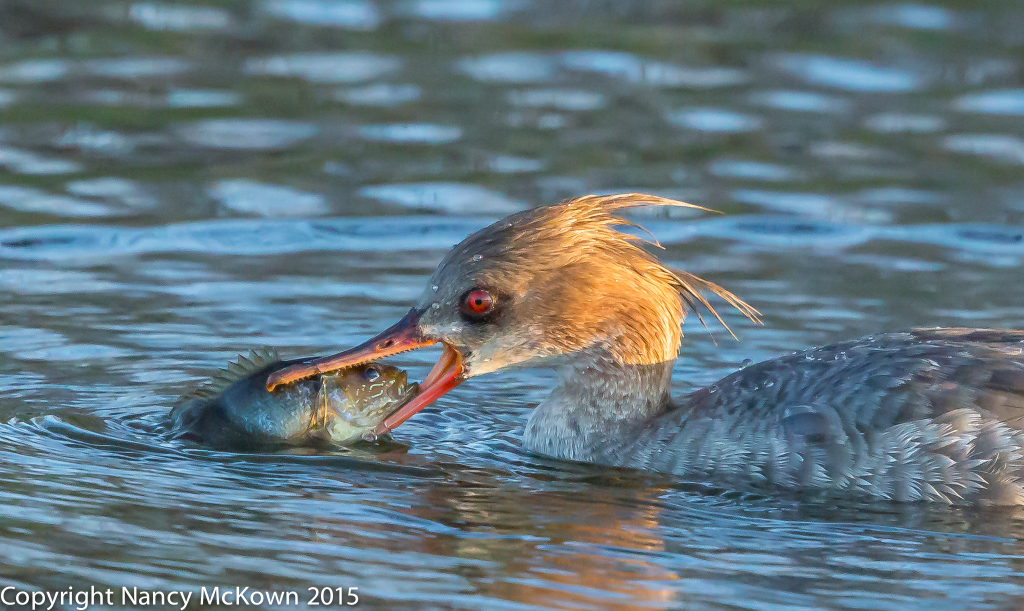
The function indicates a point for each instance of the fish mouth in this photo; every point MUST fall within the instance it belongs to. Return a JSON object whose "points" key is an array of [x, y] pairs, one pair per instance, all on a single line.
{"points": [[446, 374], [403, 336]]}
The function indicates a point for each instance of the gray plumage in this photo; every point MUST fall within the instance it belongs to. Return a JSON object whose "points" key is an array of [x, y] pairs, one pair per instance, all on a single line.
{"points": [[932, 414]]}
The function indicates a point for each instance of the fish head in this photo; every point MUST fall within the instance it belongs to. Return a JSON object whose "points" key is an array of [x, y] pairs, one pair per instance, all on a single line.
{"points": [[357, 399]]}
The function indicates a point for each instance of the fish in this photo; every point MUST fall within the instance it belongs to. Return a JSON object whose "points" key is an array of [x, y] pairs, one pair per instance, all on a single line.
{"points": [[235, 409]]}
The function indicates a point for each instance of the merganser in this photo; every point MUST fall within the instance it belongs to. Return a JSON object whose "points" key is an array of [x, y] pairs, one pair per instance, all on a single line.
{"points": [[925, 415]]}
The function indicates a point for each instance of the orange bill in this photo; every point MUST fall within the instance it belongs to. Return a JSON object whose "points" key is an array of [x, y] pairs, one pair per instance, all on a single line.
{"points": [[446, 375], [401, 337]]}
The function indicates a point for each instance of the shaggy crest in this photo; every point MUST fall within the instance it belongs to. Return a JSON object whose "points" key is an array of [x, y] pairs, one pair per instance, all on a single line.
{"points": [[592, 221]]}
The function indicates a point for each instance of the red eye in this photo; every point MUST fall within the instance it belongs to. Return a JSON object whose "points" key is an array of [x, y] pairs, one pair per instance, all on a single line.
{"points": [[477, 302]]}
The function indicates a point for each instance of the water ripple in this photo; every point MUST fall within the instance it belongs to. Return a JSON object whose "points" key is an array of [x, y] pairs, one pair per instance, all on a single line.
{"points": [[1005, 102], [347, 14], [452, 198], [247, 134], [163, 17], [562, 99], [1000, 147], [459, 10], [658, 74], [508, 164], [411, 133], [242, 237], [713, 120], [53, 282], [800, 101], [916, 16], [352, 67], [202, 98], [24, 162], [256, 198], [889, 123], [74, 352], [256, 237], [849, 74], [752, 170], [782, 232], [27, 199], [136, 67], [35, 71], [380, 94], [515, 67]]}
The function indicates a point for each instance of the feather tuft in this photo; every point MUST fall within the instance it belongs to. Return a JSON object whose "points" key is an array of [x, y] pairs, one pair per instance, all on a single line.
{"points": [[598, 209]]}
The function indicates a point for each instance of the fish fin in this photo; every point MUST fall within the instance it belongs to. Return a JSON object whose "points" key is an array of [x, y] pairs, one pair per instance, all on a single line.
{"points": [[241, 367], [263, 357]]}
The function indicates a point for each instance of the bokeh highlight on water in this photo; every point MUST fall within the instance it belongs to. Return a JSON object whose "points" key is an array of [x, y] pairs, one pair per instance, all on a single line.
{"points": [[180, 182]]}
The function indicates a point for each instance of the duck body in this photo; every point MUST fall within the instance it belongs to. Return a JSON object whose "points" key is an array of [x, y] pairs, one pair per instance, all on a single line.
{"points": [[927, 415]]}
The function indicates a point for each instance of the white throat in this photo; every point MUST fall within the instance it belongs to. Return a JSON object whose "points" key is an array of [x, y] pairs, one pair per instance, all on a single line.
{"points": [[597, 399]]}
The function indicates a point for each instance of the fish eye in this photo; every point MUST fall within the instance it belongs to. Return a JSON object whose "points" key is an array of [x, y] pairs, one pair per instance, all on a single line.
{"points": [[476, 304], [371, 373]]}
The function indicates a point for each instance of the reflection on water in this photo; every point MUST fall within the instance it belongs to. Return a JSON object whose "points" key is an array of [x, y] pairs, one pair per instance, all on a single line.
{"points": [[182, 181]]}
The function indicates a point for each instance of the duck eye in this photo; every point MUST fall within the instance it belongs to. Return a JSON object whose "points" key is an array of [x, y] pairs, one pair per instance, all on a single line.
{"points": [[371, 373], [477, 303]]}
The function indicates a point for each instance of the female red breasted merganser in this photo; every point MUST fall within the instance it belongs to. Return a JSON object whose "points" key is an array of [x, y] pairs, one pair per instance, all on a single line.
{"points": [[929, 414]]}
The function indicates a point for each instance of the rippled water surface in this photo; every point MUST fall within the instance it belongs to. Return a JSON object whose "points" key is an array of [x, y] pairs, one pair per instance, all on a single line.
{"points": [[180, 182]]}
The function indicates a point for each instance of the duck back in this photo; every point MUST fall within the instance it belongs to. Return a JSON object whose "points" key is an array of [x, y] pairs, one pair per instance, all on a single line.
{"points": [[930, 414]]}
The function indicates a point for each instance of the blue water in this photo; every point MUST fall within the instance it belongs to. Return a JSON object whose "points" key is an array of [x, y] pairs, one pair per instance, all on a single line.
{"points": [[181, 182]]}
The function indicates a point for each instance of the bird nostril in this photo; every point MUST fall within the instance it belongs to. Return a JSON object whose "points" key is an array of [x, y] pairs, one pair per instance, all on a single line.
{"points": [[385, 344]]}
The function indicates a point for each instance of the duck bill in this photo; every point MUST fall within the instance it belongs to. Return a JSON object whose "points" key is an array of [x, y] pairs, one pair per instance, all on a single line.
{"points": [[447, 373], [401, 337]]}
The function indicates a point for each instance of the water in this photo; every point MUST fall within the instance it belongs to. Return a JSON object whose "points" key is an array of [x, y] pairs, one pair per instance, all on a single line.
{"points": [[180, 182]]}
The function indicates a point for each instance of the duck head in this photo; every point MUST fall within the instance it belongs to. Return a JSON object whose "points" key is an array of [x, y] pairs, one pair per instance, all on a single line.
{"points": [[547, 286]]}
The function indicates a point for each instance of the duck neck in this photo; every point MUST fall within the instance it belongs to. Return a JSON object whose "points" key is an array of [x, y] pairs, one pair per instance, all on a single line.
{"points": [[597, 400]]}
